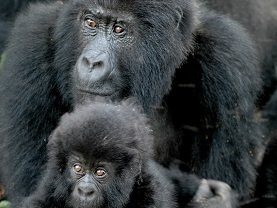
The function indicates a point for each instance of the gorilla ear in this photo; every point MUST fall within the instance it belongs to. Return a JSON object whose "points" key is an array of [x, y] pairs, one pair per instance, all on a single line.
{"points": [[179, 15]]}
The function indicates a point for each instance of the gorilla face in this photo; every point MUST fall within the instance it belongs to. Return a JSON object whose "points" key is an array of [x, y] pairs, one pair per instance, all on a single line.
{"points": [[124, 51]]}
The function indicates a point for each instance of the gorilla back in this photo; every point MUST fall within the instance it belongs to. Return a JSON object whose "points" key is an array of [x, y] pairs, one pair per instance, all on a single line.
{"points": [[169, 54]]}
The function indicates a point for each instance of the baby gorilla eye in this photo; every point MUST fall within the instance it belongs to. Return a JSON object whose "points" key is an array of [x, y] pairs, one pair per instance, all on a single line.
{"points": [[90, 22], [78, 168], [100, 172], [118, 29]]}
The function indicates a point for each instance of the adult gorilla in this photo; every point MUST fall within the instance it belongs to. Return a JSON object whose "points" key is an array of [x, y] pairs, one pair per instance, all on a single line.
{"points": [[174, 56]]}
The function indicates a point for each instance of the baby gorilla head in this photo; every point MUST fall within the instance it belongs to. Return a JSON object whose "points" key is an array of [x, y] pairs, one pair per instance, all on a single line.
{"points": [[98, 150]]}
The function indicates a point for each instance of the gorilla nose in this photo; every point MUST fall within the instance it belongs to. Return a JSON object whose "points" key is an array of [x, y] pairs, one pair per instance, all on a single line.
{"points": [[91, 65], [94, 62], [93, 68], [86, 191]]}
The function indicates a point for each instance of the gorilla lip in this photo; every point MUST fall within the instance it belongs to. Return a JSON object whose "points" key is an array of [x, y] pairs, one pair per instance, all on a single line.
{"points": [[88, 92]]}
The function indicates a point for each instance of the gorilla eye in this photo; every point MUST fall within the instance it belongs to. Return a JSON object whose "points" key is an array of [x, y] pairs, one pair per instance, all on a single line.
{"points": [[118, 29], [89, 22], [78, 168], [100, 172]]}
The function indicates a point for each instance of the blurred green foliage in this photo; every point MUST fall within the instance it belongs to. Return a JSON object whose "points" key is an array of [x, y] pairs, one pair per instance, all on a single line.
{"points": [[4, 204]]}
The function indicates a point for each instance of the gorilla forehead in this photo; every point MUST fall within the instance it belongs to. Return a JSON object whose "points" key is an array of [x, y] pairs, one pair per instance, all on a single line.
{"points": [[109, 152], [96, 142], [105, 141], [103, 128], [117, 4], [143, 8]]}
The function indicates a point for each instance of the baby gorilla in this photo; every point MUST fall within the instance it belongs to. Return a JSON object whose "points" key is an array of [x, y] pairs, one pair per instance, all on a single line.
{"points": [[100, 156]]}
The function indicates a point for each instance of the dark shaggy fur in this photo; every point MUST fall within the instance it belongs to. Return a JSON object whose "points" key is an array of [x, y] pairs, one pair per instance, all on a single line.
{"points": [[267, 180], [266, 189], [199, 66], [8, 12], [259, 18]]}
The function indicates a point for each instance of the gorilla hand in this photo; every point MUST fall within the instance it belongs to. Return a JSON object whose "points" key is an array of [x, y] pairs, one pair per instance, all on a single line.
{"points": [[214, 194]]}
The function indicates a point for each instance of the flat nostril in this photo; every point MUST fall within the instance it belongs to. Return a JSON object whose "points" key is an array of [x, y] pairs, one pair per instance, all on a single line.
{"points": [[86, 61], [97, 64]]}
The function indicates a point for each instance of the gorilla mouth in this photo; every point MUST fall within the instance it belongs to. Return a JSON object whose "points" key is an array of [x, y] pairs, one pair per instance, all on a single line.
{"points": [[83, 95], [83, 201], [89, 92]]}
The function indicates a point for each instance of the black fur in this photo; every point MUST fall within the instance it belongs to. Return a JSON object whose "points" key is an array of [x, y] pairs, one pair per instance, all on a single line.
{"points": [[266, 189], [8, 11], [259, 18], [199, 66], [267, 180]]}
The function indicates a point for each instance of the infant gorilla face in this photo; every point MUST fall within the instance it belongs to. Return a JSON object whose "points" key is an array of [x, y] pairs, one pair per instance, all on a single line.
{"points": [[89, 181], [98, 181]]}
